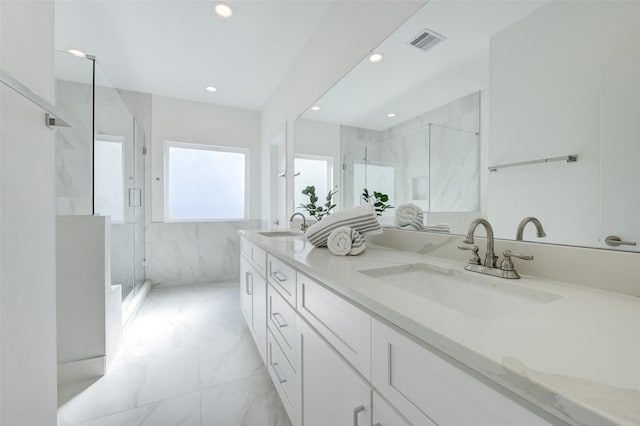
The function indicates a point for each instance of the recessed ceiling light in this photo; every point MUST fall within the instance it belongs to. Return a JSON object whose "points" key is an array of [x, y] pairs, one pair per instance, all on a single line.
{"points": [[391, 114], [211, 89], [375, 57], [315, 108], [223, 10], [78, 53]]}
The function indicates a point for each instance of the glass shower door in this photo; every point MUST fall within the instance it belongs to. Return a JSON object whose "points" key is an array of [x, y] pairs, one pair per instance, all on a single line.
{"points": [[118, 189]]}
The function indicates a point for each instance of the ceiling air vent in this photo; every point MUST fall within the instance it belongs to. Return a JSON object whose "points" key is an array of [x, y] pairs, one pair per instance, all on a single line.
{"points": [[426, 40]]}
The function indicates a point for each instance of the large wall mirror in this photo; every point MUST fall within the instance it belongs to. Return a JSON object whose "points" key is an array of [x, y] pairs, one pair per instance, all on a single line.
{"points": [[494, 109]]}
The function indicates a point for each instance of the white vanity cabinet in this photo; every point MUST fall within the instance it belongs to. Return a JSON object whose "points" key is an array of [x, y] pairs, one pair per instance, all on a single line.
{"points": [[333, 392], [334, 363], [253, 294]]}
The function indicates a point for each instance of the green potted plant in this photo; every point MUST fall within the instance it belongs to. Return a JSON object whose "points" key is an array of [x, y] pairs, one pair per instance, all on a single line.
{"points": [[379, 200], [315, 211]]}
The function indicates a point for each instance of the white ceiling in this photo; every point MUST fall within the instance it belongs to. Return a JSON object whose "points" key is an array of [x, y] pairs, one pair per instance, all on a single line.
{"points": [[177, 48], [408, 81]]}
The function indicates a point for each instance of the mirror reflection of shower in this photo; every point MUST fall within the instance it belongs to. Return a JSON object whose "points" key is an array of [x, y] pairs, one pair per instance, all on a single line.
{"points": [[434, 165]]}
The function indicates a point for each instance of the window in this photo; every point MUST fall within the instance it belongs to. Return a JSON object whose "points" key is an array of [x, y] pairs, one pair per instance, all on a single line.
{"points": [[109, 178], [312, 170], [205, 182]]}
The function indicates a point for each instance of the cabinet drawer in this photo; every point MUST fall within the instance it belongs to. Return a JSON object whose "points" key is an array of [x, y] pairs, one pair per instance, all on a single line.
{"points": [[284, 378], [345, 326], [421, 384], [385, 415], [283, 278], [281, 320], [255, 255]]}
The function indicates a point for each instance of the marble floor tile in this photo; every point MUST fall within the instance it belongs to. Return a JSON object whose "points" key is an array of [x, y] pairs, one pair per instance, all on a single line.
{"points": [[224, 361], [252, 401], [188, 359], [183, 410]]}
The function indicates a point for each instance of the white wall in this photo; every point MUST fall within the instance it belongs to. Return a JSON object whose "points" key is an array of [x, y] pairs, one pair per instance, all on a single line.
{"points": [[88, 331], [27, 222], [196, 122], [545, 102], [346, 34]]}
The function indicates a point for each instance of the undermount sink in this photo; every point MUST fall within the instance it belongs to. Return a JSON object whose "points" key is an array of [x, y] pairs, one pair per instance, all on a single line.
{"points": [[280, 234], [480, 298]]}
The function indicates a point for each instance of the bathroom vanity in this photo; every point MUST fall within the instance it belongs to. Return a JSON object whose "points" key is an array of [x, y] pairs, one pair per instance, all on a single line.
{"points": [[396, 338]]}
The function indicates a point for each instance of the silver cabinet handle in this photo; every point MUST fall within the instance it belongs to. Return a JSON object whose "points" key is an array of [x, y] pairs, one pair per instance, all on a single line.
{"points": [[276, 317], [279, 276], [246, 285], [614, 241], [359, 409], [277, 373]]}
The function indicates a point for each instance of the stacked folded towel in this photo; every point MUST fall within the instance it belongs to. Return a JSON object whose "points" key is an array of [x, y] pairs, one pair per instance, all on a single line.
{"points": [[346, 241], [443, 228], [409, 216], [362, 219]]}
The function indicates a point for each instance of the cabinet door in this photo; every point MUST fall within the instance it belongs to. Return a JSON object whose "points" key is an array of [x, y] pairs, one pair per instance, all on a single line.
{"points": [[420, 383], [246, 299], [333, 392], [259, 296]]}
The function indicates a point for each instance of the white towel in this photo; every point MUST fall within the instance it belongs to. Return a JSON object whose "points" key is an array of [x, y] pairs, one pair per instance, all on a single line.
{"points": [[346, 241], [362, 218], [409, 216]]}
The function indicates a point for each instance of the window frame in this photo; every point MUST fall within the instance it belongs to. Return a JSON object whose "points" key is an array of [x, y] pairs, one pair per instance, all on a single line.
{"points": [[205, 147]]}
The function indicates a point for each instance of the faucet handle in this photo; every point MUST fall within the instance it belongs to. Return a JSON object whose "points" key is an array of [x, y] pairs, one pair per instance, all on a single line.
{"points": [[475, 257], [507, 263]]}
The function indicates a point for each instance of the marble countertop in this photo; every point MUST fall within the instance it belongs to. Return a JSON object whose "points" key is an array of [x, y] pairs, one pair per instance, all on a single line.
{"points": [[577, 357]]}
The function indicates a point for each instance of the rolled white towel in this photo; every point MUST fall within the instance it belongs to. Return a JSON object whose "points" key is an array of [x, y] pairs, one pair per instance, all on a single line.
{"points": [[409, 216], [362, 218], [346, 241]]}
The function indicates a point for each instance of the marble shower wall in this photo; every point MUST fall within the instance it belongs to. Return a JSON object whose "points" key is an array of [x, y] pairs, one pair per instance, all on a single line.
{"points": [[194, 252], [452, 156], [74, 161]]}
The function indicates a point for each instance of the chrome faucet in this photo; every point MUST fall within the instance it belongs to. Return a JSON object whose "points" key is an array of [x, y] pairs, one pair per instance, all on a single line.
{"points": [[304, 225], [506, 269], [490, 258], [539, 229]]}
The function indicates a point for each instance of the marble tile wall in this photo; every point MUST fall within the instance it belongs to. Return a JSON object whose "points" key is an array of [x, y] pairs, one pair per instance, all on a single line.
{"points": [[194, 252], [73, 150]]}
